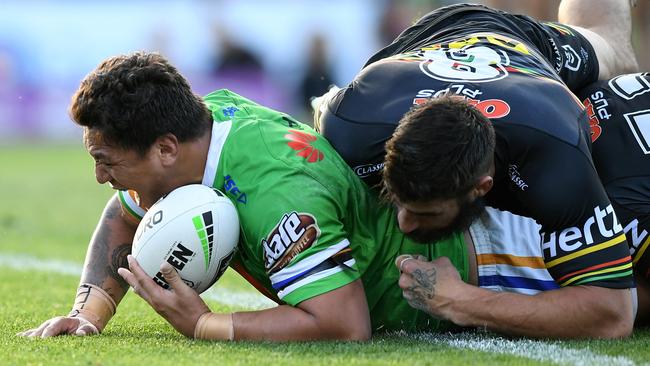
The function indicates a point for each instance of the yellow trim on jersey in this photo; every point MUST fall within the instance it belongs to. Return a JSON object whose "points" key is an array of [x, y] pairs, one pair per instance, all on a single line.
{"points": [[586, 251], [641, 250], [512, 260], [606, 270]]}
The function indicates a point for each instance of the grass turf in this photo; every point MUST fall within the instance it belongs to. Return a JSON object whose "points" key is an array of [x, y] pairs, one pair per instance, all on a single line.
{"points": [[50, 205]]}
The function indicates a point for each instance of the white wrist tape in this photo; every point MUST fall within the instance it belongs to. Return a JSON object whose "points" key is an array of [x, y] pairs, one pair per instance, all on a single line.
{"points": [[215, 326], [93, 304]]}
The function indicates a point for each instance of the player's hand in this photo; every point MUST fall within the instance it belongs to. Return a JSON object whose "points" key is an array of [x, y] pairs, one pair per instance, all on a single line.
{"points": [[430, 286], [62, 325], [181, 306]]}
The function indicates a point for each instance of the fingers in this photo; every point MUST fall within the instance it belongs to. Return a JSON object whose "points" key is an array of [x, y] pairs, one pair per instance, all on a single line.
{"points": [[172, 277], [87, 328], [142, 285], [406, 263], [36, 332]]}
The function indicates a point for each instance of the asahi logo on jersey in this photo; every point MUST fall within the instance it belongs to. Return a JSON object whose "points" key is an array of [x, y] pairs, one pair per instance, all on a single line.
{"points": [[515, 177], [293, 234], [602, 225], [365, 170]]}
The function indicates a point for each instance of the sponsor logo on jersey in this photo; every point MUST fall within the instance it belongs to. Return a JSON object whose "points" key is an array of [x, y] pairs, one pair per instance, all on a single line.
{"points": [[475, 63], [367, 169], [603, 224], [294, 233], [178, 258], [557, 55], [230, 187], [302, 142], [572, 60], [594, 111], [203, 224], [230, 111], [490, 108], [629, 86], [515, 177], [634, 236], [639, 123]]}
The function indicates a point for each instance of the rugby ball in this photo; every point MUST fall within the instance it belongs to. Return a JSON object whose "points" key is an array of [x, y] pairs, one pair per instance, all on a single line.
{"points": [[194, 228]]}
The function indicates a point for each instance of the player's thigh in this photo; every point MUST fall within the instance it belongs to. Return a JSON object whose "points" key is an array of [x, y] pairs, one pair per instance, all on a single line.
{"points": [[643, 295]]}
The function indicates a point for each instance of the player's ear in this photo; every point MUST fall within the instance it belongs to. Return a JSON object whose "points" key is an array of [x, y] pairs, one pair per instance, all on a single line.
{"points": [[483, 186], [167, 147]]}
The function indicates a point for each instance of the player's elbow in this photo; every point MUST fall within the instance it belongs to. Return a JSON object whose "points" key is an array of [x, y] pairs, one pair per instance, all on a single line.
{"points": [[617, 315], [357, 334]]}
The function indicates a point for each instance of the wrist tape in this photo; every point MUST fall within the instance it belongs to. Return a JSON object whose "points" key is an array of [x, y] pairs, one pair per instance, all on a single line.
{"points": [[215, 326], [93, 304]]}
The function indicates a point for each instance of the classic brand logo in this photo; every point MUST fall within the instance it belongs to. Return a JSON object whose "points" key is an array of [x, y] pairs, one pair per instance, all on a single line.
{"points": [[629, 86], [570, 239], [293, 234], [301, 142], [515, 177], [365, 170], [205, 229]]}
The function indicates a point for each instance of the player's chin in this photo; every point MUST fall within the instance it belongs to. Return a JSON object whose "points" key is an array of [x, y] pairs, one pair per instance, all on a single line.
{"points": [[429, 236]]}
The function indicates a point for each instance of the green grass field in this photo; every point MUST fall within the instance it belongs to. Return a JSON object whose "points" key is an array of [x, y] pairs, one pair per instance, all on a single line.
{"points": [[49, 204]]}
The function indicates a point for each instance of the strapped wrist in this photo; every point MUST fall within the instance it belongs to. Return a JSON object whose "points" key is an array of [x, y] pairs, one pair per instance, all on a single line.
{"points": [[93, 304], [215, 327]]}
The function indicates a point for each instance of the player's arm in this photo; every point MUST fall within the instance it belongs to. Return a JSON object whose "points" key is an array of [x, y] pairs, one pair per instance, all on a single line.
{"points": [[101, 287], [570, 312], [607, 25], [340, 314]]}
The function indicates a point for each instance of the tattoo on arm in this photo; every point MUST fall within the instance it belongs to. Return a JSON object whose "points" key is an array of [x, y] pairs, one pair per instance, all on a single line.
{"points": [[105, 258], [118, 259], [424, 288]]}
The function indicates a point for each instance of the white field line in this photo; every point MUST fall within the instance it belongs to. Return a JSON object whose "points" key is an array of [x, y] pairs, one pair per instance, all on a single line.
{"points": [[527, 348], [535, 350], [241, 299]]}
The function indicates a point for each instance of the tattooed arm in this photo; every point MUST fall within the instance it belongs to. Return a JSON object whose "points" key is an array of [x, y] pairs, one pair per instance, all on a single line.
{"points": [[107, 251], [101, 288], [436, 288]]}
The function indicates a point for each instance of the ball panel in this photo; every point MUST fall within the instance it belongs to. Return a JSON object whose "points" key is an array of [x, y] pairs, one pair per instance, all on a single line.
{"points": [[192, 228]]}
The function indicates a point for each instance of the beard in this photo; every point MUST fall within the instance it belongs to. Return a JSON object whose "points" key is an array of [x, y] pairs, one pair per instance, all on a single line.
{"points": [[467, 213]]}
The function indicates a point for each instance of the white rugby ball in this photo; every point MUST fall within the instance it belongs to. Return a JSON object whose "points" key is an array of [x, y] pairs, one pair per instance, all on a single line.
{"points": [[195, 228]]}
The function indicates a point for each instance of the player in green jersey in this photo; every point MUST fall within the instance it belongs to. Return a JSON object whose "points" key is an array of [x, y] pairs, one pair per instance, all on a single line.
{"points": [[312, 235]]}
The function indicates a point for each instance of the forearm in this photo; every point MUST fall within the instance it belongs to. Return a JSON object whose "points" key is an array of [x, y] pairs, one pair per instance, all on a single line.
{"points": [[107, 251], [572, 312], [341, 314], [287, 323]]}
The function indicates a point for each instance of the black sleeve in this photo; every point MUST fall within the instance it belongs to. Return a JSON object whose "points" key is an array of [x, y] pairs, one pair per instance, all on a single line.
{"points": [[556, 184]]}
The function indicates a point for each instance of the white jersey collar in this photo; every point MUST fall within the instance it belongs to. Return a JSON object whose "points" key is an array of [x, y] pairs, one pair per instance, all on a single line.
{"points": [[220, 132]]}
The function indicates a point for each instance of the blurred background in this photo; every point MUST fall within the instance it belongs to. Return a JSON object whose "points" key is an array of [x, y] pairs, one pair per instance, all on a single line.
{"points": [[278, 53]]}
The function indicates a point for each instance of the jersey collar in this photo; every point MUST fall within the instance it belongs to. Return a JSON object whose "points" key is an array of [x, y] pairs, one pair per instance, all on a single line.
{"points": [[220, 132]]}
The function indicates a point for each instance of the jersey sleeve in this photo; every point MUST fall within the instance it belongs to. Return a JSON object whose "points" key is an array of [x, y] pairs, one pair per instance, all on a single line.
{"points": [[582, 239], [306, 251], [129, 201]]}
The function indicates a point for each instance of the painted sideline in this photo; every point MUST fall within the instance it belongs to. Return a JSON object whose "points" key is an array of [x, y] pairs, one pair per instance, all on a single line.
{"points": [[552, 352]]}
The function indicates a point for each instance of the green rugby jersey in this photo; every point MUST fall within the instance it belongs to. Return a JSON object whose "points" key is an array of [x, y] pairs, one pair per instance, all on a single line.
{"points": [[308, 224]]}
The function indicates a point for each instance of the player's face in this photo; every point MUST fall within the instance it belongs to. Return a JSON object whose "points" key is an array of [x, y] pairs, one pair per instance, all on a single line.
{"points": [[427, 222], [125, 169]]}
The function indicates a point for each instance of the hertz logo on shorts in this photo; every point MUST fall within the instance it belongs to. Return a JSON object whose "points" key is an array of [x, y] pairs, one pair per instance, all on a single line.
{"points": [[602, 225]]}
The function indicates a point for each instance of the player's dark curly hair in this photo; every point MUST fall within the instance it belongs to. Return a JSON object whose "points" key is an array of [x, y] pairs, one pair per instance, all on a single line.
{"points": [[438, 151], [134, 99]]}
